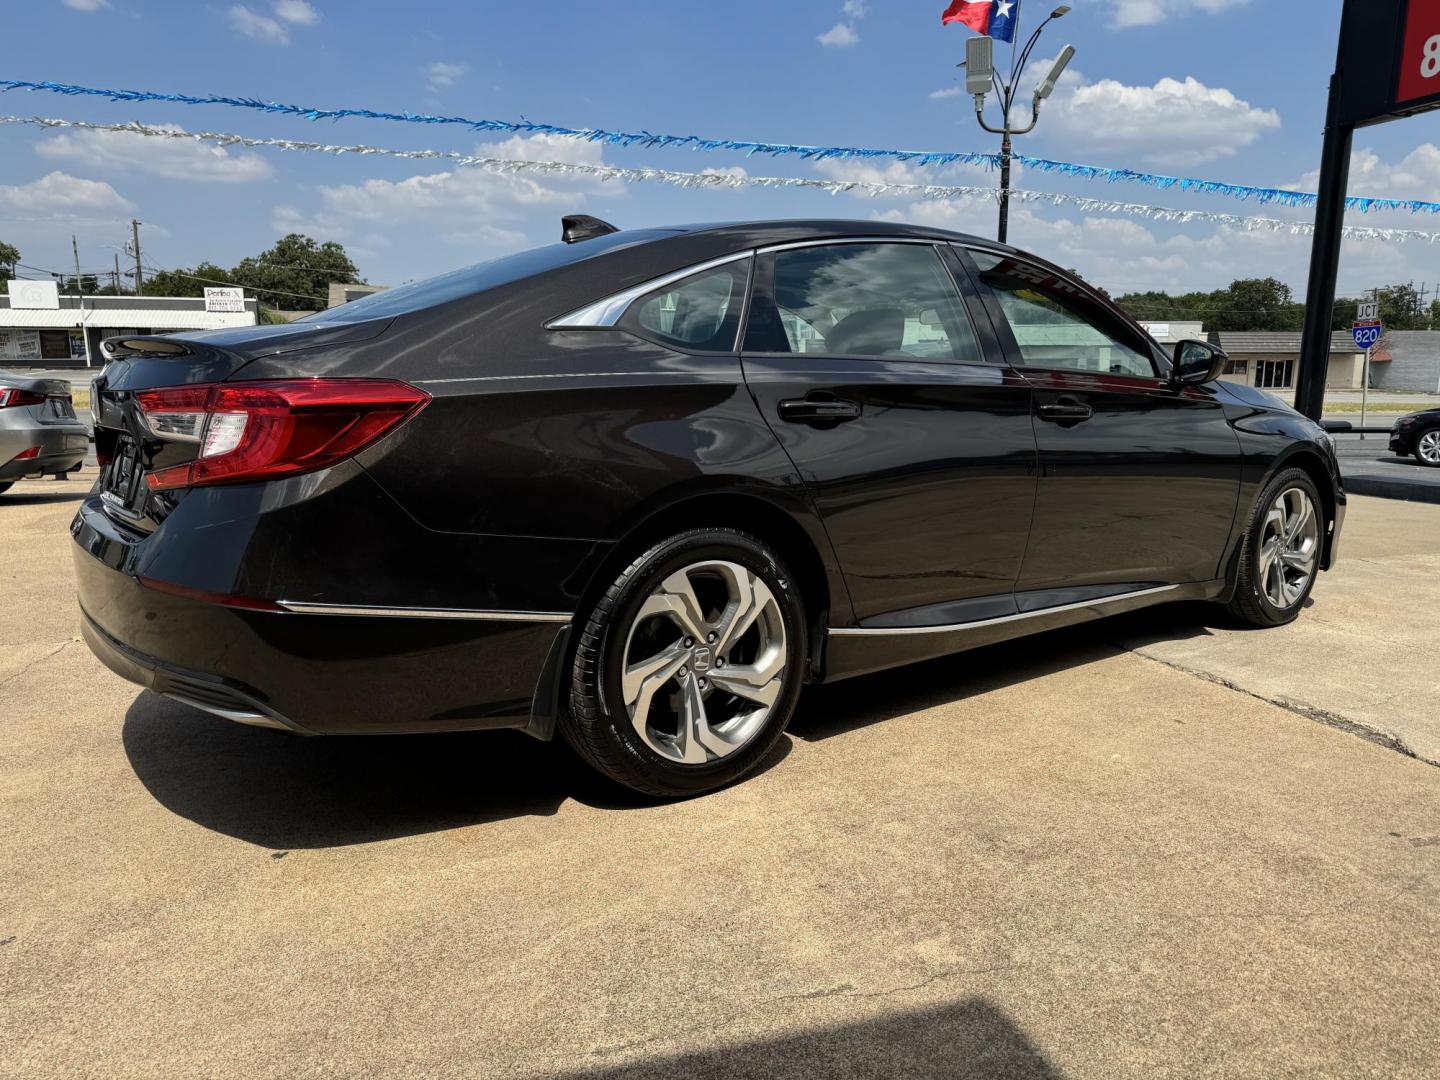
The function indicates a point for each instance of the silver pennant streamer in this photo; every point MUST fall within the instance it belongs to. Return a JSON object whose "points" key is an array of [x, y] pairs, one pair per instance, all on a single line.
{"points": [[733, 181]]}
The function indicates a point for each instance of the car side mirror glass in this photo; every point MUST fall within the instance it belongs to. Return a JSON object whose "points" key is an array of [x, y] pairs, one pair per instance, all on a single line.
{"points": [[1197, 362]]}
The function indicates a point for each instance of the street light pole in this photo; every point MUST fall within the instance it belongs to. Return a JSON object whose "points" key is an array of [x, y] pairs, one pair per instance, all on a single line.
{"points": [[981, 76]]}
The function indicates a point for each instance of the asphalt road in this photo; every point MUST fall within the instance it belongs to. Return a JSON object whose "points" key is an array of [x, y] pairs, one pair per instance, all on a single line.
{"points": [[1370, 468], [1057, 858]]}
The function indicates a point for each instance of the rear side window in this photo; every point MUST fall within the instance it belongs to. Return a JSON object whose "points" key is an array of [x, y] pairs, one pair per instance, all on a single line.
{"points": [[1057, 324], [877, 301], [700, 313]]}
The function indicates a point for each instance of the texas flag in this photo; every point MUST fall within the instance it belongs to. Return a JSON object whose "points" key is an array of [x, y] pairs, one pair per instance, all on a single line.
{"points": [[993, 17]]}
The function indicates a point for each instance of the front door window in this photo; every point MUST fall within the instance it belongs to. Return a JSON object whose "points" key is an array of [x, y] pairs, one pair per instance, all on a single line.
{"points": [[1057, 325]]}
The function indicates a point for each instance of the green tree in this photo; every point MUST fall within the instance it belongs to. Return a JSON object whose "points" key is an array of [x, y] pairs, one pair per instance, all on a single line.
{"points": [[296, 272], [1401, 308], [89, 285], [9, 256], [1346, 309], [188, 282], [1256, 304]]}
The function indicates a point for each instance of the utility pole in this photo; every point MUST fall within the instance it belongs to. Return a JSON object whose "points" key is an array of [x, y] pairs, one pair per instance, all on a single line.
{"points": [[80, 292], [115, 278], [135, 236]]}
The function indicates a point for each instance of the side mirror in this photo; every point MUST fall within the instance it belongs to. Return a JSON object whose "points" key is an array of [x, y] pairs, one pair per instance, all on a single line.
{"points": [[1197, 362]]}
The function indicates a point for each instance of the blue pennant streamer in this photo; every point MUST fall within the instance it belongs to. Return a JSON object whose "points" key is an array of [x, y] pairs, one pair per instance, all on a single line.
{"points": [[1276, 196]]}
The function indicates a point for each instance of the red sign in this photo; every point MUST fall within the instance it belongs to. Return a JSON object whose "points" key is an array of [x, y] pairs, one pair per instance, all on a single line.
{"points": [[1420, 60]]}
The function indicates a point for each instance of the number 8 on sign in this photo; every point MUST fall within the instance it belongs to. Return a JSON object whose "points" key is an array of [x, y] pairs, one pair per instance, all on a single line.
{"points": [[1420, 66]]}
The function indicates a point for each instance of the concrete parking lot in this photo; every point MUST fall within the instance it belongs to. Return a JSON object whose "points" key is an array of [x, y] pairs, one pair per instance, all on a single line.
{"points": [[1149, 847]]}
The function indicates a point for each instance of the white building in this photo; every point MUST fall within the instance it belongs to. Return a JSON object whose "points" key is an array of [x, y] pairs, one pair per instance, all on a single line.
{"points": [[40, 328]]}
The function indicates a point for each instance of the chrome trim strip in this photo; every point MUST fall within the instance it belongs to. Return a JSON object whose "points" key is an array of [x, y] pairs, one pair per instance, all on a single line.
{"points": [[607, 311], [848, 240], [864, 631], [249, 717], [300, 607]]}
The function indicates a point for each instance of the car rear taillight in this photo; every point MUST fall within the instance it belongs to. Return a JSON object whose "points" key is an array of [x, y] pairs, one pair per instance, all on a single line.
{"points": [[269, 429], [11, 398], [27, 455]]}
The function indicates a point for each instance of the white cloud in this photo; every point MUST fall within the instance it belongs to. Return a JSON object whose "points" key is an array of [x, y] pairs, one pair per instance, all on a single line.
{"points": [[1415, 176], [60, 194], [898, 172], [839, 36], [296, 11], [176, 159], [1124, 255], [1171, 123], [260, 27], [948, 92], [479, 209], [86, 5], [440, 75], [843, 34], [273, 29], [1128, 13]]}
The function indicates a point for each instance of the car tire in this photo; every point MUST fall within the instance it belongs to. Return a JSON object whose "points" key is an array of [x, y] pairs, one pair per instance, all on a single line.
{"points": [[653, 702], [6, 486], [1427, 447], [1280, 554]]}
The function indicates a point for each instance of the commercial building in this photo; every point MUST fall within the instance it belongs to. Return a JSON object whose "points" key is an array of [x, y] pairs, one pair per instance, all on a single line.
{"points": [[1407, 360], [1271, 359], [342, 293], [40, 328]]}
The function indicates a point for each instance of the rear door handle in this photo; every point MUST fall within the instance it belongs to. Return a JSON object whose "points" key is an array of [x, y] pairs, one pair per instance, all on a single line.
{"points": [[1065, 412], [818, 411]]}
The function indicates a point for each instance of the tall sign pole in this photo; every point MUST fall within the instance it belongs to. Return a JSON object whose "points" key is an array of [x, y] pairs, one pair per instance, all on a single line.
{"points": [[1387, 67]]}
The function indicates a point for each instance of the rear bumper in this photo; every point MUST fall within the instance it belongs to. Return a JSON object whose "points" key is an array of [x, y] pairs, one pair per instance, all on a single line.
{"points": [[62, 448], [305, 672]]}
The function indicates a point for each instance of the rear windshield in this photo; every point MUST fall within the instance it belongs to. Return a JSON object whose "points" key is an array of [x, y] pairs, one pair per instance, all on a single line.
{"points": [[419, 295]]}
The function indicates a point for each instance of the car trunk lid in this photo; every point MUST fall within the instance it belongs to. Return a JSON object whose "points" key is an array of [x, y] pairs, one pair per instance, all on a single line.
{"points": [[127, 447]]}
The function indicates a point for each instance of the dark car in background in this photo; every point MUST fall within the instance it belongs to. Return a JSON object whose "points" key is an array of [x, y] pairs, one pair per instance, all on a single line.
{"points": [[642, 486], [40, 435], [1418, 434]]}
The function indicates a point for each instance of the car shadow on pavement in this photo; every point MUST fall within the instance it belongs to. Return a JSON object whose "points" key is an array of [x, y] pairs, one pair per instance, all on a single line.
{"points": [[837, 708], [970, 1038], [283, 791]]}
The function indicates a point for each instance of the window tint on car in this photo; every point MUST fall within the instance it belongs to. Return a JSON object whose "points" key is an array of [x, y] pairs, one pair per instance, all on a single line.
{"points": [[878, 301], [700, 313], [1056, 324]]}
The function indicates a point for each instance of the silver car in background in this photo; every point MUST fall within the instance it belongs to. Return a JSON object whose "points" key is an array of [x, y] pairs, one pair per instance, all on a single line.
{"points": [[40, 435]]}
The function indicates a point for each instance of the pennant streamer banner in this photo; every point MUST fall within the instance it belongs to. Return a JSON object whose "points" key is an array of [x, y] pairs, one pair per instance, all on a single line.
{"points": [[732, 181], [1267, 195]]}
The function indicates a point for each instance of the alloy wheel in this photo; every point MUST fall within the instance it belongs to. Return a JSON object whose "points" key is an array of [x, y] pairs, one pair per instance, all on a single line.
{"points": [[1289, 547], [704, 662], [1429, 447]]}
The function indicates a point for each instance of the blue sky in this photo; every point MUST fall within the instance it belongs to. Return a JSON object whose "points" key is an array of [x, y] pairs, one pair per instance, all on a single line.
{"points": [[1225, 89]]}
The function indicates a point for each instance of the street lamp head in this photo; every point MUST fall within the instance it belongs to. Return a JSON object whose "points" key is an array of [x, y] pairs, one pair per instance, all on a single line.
{"points": [[1060, 12], [1047, 85]]}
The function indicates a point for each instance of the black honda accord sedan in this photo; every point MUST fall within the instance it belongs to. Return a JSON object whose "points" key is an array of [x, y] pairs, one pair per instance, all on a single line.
{"points": [[640, 487]]}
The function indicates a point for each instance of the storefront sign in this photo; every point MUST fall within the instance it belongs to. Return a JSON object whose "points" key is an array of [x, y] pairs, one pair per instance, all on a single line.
{"points": [[34, 294], [226, 300]]}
